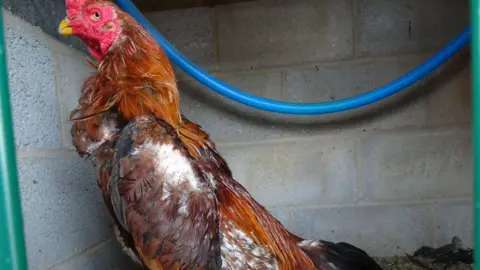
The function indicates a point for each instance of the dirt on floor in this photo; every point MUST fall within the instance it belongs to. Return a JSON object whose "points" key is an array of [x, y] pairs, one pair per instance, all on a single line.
{"points": [[404, 263]]}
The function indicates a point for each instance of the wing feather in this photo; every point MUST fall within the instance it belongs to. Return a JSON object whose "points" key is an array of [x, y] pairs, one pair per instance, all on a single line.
{"points": [[162, 199]]}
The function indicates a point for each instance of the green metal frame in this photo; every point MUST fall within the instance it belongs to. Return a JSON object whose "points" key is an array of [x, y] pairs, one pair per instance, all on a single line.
{"points": [[12, 241], [475, 54]]}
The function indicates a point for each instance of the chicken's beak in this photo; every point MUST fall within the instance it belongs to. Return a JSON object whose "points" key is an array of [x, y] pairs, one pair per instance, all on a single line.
{"points": [[65, 28]]}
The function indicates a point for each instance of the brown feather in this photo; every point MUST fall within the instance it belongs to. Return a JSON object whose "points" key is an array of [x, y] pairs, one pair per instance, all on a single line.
{"points": [[241, 209], [170, 220], [136, 79]]}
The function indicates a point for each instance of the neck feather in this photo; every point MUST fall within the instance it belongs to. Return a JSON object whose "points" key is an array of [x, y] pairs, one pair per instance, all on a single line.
{"points": [[135, 77]]}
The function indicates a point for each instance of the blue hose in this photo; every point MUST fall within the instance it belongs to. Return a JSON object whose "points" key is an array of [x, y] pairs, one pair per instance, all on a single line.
{"points": [[301, 108]]}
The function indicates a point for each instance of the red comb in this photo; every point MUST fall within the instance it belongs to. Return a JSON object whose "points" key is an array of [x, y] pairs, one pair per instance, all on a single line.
{"points": [[74, 6]]}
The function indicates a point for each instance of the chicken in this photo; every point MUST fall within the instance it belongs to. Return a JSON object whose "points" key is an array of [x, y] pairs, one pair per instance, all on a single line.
{"points": [[173, 198]]}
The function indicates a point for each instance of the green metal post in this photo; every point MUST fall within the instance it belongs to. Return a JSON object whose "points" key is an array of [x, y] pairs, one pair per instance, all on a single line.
{"points": [[12, 243], [475, 54]]}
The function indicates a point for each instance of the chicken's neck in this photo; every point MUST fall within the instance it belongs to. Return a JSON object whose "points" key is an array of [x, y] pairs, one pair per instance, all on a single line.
{"points": [[135, 78]]}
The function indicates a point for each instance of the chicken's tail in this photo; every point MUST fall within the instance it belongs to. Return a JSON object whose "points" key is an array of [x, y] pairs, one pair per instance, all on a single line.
{"points": [[338, 256]]}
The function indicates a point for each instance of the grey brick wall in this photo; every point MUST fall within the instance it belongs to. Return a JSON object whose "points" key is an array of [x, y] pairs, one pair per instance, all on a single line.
{"points": [[43, 14], [389, 177], [66, 223]]}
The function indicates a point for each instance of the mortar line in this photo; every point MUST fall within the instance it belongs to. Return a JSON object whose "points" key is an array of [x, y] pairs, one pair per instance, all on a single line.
{"points": [[433, 215], [360, 178], [425, 202], [46, 153], [311, 65], [214, 37], [83, 252], [283, 83], [58, 92], [355, 28], [350, 135]]}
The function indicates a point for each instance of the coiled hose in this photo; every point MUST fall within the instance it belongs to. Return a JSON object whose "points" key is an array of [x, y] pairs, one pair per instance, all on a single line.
{"points": [[266, 104]]}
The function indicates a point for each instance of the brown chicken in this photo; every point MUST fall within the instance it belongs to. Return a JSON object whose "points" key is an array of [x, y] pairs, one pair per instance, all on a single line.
{"points": [[173, 198]]}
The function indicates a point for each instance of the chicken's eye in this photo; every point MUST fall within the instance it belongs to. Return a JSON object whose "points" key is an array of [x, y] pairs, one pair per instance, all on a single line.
{"points": [[96, 15]]}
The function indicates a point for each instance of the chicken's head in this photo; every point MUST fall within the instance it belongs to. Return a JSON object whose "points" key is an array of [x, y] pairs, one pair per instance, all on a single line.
{"points": [[95, 22]]}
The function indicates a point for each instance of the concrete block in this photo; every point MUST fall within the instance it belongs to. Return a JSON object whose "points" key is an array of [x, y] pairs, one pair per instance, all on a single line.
{"points": [[108, 255], [417, 166], [389, 27], [63, 210], [190, 31], [274, 32], [298, 173], [293, 220], [44, 14], [226, 120], [383, 230], [32, 88], [450, 103], [72, 71], [237, 162], [334, 82], [454, 219]]}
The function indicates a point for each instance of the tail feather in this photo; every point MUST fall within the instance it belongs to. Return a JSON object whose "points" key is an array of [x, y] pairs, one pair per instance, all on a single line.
{"points": [[338, 256]]}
